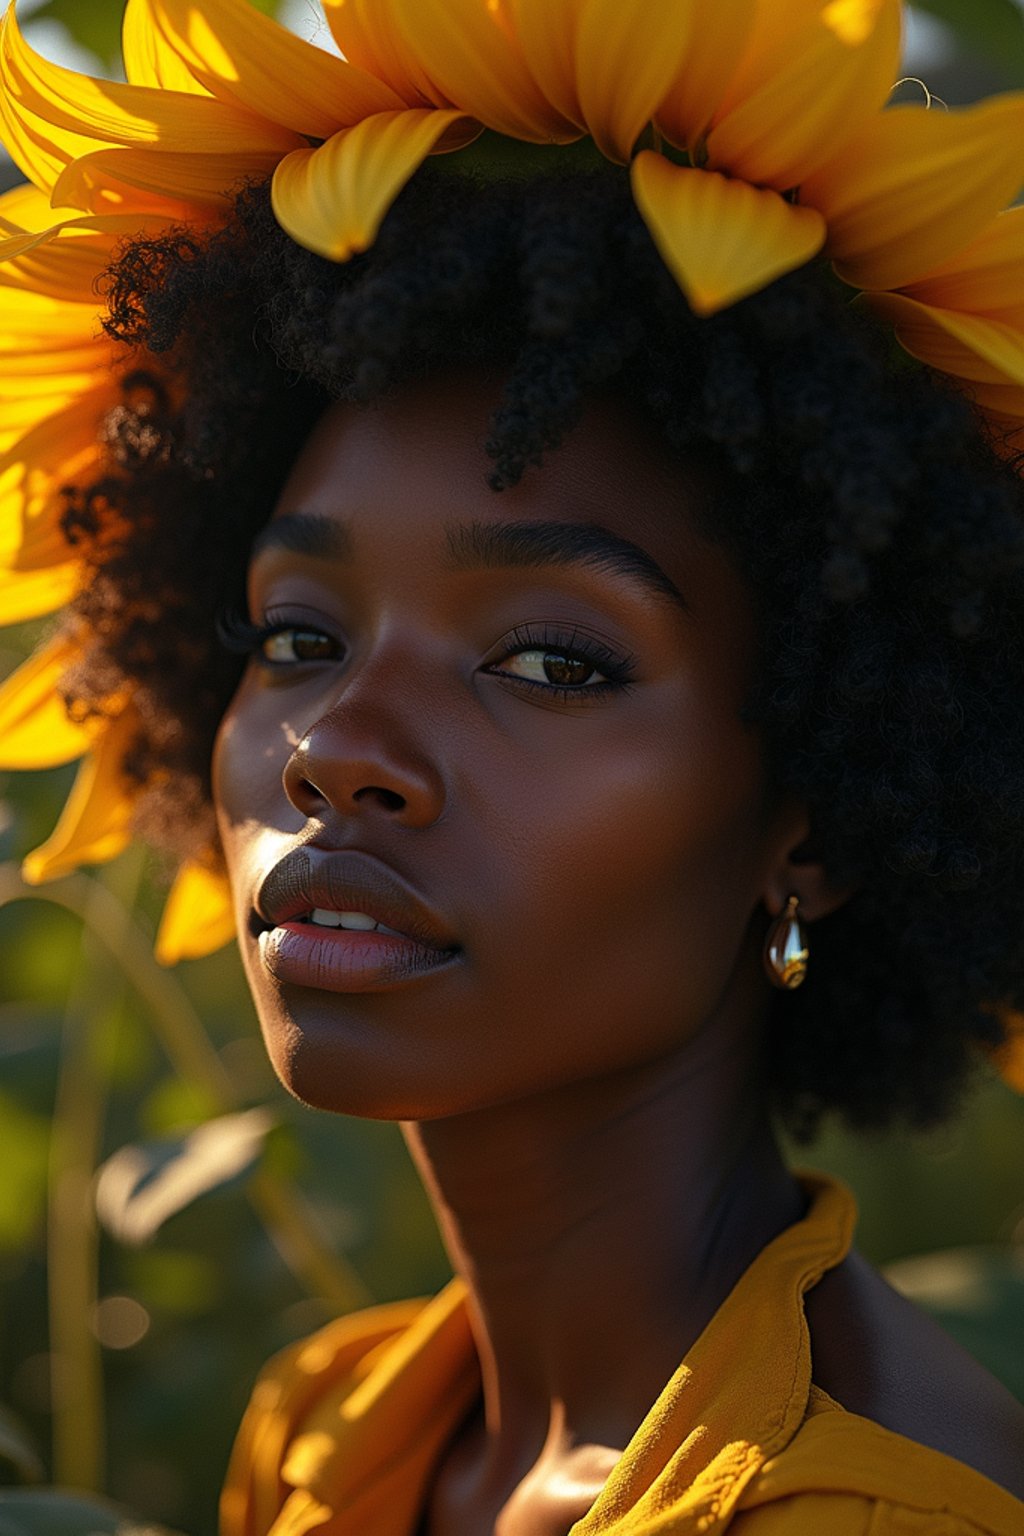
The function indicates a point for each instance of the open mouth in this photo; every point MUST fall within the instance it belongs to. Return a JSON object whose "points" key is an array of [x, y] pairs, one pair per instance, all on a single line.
{"points": [[357, 922]]}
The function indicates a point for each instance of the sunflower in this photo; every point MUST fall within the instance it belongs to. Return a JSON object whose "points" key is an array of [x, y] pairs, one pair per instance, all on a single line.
{"points": [[758, 135]]}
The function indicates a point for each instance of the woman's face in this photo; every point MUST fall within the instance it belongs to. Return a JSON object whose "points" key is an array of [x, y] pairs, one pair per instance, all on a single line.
{"points": [[494, 711]]}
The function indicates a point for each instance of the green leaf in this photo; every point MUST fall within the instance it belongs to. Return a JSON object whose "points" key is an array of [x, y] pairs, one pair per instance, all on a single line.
{"points": [[142, 1186], [51, 1512], [993, 28], [96, 26]]}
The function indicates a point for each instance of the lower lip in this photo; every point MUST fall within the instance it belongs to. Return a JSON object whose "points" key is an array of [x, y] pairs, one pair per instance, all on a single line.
{"points": [[347, 959]]}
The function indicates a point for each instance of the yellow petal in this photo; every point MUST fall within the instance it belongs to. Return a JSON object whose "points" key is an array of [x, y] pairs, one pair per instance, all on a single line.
{"points": [[67, 259], [916, 186], [58, 449], [332, 199], [710, 63], [107, 112], [602, 65], [26, 208], [35, 593], [626, 59], [986, 277], [148, 181], [198, 916], [241, 55], [471, 51], [721, 239], [35, 731], [148, 58], [95, 824], [367, 35], [836, 73], [547, 35], [967, 346]]}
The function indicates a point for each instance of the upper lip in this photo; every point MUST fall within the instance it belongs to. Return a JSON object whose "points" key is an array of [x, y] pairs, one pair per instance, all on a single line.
{"points": [[348, 882]]}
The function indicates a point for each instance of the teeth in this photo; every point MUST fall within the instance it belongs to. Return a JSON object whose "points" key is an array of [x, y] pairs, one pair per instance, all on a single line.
{"points": [[360, 921]]}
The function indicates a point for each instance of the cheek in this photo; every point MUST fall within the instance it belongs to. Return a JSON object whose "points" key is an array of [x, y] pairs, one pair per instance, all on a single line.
{"points": [[250, 751], [626, 887]]}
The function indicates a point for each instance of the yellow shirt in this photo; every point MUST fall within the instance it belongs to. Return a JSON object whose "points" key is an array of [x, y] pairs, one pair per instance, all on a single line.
{"points": [[344, 1429]]}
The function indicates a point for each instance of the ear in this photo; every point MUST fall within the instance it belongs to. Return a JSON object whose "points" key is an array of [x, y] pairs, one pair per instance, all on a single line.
{"points": [[797, 870]]}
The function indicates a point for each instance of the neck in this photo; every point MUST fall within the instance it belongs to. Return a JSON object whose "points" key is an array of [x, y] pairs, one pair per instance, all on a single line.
{"points": [[598, 1228]]}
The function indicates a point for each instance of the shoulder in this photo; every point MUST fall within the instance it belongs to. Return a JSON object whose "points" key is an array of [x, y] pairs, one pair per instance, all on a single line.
{"points": [[847, 1475], [884, 1360], [290, 1389]]}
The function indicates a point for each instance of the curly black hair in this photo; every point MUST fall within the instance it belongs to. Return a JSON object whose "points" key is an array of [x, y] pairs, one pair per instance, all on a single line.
{"points": [[881, 537]]}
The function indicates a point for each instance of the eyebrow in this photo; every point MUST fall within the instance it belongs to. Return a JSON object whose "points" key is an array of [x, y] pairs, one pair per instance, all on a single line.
{"points": [[472, 546], [305, 533], [490, 546]]}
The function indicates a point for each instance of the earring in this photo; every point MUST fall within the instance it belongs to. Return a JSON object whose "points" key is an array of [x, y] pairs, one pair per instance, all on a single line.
{"points": [[785, 948]]}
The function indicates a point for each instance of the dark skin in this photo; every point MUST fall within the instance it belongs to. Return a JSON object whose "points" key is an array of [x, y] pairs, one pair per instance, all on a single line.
{"points": [[608, 865]]}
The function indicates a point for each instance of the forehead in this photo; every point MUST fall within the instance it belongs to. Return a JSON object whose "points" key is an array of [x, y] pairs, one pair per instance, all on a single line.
{"points": [[421, 456], [426, 449]]}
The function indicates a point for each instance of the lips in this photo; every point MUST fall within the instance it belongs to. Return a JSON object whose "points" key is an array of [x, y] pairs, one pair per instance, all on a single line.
{"points": [[349, 881]]}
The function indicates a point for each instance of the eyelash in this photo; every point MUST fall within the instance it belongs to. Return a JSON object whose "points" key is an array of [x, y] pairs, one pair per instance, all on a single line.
{"points": [[238, 635]]}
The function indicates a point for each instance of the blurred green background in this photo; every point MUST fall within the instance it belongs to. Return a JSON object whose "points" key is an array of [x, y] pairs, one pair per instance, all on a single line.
{"points": [[169, 1217]]}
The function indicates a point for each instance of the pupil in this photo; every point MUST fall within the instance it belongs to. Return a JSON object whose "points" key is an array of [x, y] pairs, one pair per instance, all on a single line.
{"points": [[566, 669], [311, 647], [298, 644]]}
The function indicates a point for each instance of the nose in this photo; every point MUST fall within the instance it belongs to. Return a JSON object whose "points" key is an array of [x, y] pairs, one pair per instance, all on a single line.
{"points": [[359, 758]]}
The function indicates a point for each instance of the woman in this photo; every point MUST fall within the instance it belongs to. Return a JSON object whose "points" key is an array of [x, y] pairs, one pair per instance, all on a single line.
{"points": [[583, 827]]}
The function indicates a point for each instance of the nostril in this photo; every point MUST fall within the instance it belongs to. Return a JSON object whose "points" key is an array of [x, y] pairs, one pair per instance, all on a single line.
{"points": [[388, 797]]}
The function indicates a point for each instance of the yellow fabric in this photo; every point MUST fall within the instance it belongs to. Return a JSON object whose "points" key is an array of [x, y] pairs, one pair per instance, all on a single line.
{"points": [[344, 1429]]}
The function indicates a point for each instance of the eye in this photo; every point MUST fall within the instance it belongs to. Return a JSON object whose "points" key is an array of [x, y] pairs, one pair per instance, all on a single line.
{"points": [[563, 665], [277, 642], [560, 669], [292, 643]]}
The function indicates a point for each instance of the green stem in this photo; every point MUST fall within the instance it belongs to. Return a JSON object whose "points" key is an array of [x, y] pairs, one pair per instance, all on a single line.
{"points": [[72, 1235]]}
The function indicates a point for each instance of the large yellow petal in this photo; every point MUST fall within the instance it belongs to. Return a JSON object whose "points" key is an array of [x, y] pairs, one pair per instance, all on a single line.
{"points": [[148, 181], [548, 36], [367, 34], [148, 57], [968, 346], [35, 731], [602, 65], [470, 50], [986, 277], [32, 594], [95, 824], [59, 448], [66, 260], [626, 59], [198, 916], [916, 186], [721, 239], [243, 56], [25, 208], [836, 73], [108, 113], [332, 199], [710, 63]]}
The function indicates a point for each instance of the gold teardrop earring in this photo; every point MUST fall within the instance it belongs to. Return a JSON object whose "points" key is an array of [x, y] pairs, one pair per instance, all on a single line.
{"points": [[785, 948]]}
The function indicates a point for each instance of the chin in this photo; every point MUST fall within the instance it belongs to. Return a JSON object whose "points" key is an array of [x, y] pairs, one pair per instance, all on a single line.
{"points": [[326, 1074]]}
